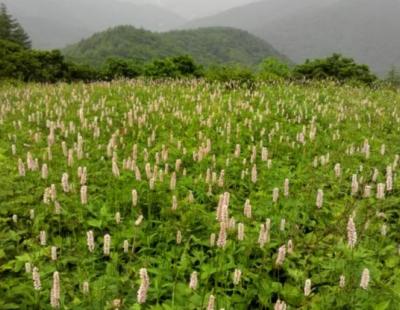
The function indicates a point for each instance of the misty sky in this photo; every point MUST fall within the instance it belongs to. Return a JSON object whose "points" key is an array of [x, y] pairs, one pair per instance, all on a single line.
{"points": [[194, 8]]}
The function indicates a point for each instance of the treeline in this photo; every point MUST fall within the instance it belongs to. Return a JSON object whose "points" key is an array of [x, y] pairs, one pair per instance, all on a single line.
{"points": [[27, 65], [19, 62]]}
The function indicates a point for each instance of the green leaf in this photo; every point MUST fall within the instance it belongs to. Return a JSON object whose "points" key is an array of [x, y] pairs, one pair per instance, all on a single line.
{"points": [[382, 306], [94, 223]]}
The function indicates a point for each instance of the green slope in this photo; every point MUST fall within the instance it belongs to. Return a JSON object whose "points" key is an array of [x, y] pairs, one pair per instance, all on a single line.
{"points": [[207, 46]]}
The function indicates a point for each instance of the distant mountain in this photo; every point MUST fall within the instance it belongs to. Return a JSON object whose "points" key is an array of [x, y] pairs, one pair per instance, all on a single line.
{"points": [[253, 15], [367, 30], [194, 8], [206, 45], [56, 23]]}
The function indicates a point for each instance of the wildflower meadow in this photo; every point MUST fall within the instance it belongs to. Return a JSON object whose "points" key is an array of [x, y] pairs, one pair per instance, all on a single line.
{"points": [[193, 195]]}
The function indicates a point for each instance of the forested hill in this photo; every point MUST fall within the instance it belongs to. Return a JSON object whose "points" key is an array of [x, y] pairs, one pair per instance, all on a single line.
{"points": [[207, 46]]}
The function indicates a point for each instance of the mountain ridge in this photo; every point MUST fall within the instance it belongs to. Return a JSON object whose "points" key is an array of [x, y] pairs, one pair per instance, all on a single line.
{"points": [[206, 45]]}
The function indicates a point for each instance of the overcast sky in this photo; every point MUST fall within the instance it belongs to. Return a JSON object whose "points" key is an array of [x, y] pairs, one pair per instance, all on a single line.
{"points": [[194, 8]]}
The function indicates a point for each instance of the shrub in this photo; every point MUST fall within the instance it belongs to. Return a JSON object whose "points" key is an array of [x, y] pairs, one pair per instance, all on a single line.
{"points": [[83, 73], [273, 69], [232, 76]]}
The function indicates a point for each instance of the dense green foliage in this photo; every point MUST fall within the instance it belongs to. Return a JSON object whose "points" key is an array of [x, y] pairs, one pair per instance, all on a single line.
{"points": [[145, 135], [272, 69], [172, 67], [336, 67], [11, 30], [29, 65], [122, 68], [26, 65], [207, 46]]}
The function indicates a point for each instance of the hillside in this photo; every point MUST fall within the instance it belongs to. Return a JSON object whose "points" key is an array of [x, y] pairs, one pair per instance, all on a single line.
{"points": [[206, 45], [366, 30], [55, 24]]}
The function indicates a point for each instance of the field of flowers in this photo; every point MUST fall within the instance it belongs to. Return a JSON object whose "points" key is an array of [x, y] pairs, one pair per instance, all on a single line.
{"points": [[189, 195]]}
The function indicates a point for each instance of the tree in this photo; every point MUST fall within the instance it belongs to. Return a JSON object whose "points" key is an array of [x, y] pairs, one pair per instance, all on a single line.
{"points": [[173, 67], [161, 68], [121, 68], [336, 67], [186, 65], [11, 30]]}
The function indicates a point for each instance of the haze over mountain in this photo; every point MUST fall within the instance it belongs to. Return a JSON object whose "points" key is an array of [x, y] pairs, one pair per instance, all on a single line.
{"points": [[207, 46], [253, 15], [56, 23], [194, 8], [367, 30]]}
